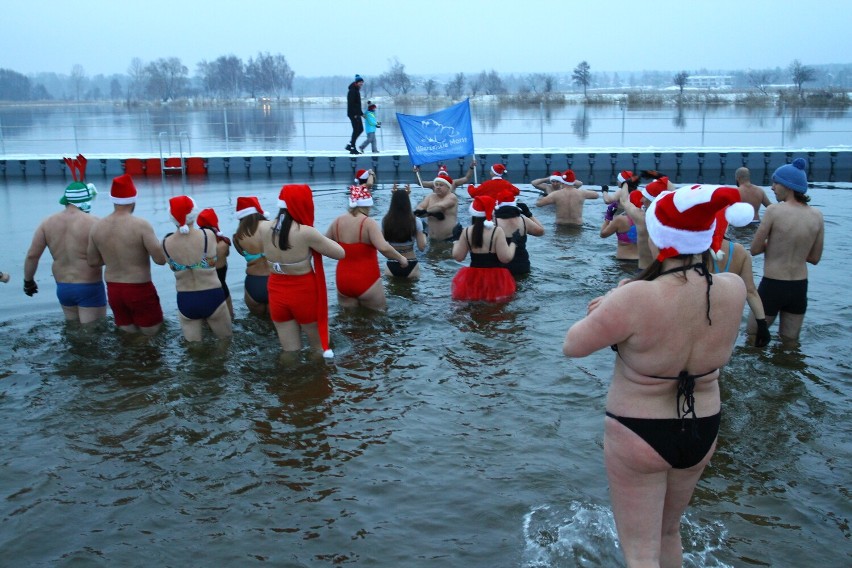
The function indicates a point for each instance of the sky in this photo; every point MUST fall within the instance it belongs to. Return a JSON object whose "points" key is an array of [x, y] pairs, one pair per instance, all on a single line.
{"points": [[434, 37]]}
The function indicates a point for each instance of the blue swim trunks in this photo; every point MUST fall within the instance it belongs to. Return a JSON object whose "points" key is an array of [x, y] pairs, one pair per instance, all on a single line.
{"points": [[90, 295]]}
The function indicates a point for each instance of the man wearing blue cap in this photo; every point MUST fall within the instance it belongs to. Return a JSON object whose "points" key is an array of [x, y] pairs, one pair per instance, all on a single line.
{"points": [[790, 236], [355, 112]]}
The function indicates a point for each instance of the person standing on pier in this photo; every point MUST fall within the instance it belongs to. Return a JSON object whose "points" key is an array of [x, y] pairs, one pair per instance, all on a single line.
{"points": [[791, 236], [354, 112]]}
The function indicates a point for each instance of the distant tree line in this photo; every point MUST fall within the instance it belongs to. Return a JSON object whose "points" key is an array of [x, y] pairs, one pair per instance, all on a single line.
{"points": [[267, 75]]}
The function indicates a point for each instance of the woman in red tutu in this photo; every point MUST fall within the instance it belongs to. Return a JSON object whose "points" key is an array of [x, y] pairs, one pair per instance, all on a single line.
{"points": [[486, 278]]}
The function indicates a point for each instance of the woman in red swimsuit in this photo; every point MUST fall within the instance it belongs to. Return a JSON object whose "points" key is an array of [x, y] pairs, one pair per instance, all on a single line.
{"points": [[672, 327], [358, 278]]}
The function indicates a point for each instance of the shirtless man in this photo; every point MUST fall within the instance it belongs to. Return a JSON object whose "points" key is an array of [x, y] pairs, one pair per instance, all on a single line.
{"points": [[569, 203], [124, 244], [458, 182], [556, 181], [442, 206], [750, 193], [790, 235], [79, 287]]}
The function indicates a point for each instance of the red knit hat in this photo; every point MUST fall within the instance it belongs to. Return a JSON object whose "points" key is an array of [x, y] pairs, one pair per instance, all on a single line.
{"points": [[181, 210], [684, 221], [248, 206], [498, 170], [123, 192], [483, 206]]}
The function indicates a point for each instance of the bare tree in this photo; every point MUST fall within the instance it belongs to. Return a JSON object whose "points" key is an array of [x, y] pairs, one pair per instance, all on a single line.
{"points": [[541, 83], [801, 74], [430, 86], [455, 88], [223, 77], [582, 76], [269, 74], [759, 80], [166, 78], [395, 81], [490, 83], [78, 77], [680, 81], [136, 71]]}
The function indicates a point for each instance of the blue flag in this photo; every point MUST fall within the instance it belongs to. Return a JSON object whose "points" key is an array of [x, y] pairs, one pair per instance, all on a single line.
{"points": [[439, 136]]}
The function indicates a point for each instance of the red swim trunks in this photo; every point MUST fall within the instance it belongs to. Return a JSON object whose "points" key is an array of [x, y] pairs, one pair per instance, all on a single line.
{"points": [[134, 304], [292, 297]]}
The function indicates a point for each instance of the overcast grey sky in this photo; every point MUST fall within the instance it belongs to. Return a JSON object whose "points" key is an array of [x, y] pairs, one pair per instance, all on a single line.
{"points": [[339, 37]]}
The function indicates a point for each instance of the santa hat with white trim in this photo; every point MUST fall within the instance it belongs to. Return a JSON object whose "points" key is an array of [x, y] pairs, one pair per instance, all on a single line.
{"points": [[443, 177], [623, 176], [182, 212], [362, 175], [208, 219], [684, 221], [498, 170], [483, 206], [556, 177], [650, 191], [123, 191], [506, 198], [249, 206], [568, 176]]}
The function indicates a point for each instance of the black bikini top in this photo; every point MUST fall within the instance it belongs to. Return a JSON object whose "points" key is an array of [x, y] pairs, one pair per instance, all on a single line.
{"points": [[685, 381]]}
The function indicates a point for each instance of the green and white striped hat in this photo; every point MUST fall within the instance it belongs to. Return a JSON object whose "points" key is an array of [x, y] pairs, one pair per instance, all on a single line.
{"points": [[80, 194]]}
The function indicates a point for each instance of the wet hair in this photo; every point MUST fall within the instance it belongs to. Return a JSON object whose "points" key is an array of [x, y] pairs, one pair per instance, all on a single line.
{"points": [[801, 197], [248, 225], [399, 225], [478, 224], [282, 227]]}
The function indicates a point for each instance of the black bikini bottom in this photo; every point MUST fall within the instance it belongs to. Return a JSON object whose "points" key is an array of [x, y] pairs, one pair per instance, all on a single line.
{"points": [[399, 271], [683, 442]]}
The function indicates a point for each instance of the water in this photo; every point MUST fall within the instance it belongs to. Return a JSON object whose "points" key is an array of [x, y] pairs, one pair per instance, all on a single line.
{"points": [[321, 125], [443, 434]]}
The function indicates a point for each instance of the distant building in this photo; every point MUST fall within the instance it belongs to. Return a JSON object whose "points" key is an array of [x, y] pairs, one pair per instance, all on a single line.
{"points": [[709, 81]]}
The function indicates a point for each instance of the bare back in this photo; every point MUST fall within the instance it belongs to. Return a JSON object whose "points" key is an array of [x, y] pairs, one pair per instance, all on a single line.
{"points": [[790, 235], [754, 196], [66, 235], [569, 204], [125, 244]]}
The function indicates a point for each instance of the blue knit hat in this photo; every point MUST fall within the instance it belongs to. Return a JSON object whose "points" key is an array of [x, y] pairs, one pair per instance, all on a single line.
{"points": [[358, 77], [793, 176]]}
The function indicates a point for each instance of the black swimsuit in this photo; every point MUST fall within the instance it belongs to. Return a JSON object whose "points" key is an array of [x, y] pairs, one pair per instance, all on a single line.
{"points": [[681, 447]]}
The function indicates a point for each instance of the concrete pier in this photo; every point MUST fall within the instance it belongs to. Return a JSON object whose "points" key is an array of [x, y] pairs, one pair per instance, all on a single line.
{"points": [[594, 168]]}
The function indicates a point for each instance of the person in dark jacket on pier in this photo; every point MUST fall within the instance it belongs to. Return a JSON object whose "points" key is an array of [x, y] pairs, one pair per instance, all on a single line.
{"points": [[354, 112]]}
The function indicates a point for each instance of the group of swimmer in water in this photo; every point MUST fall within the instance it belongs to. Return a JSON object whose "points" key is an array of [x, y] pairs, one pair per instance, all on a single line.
{"points": [[672, 326]]}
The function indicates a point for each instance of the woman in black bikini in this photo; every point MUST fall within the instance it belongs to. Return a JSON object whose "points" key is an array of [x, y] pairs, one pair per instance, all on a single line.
{"points": [[403, 231], [673, 327]]}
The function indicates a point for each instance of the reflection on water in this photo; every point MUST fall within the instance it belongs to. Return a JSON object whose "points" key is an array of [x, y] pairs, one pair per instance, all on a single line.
{"points": [[442, 431]]}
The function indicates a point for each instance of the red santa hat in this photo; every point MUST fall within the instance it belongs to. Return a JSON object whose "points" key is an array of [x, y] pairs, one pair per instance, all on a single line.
{"points": [[623, 176], [208, 219], [360, 196], [483, 206], [684, 221], [568, 176], [556, 177], [123, 192], [248, 206], [182, 212], [506, 198], [444, 177], [362, 175], [498, 170], [442, 168]]}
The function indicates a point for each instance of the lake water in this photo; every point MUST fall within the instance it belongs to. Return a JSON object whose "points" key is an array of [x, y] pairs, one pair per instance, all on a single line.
{"points": [[442, 434], [322, 126]]}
